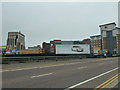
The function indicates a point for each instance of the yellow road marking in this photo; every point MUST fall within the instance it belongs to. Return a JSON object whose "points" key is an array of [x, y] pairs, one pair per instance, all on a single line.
{"points": [[114, 77], [110, 82]]}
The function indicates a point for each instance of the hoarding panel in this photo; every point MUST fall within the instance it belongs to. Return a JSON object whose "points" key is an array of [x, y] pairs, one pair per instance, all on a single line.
{"points": [[73, 49]]}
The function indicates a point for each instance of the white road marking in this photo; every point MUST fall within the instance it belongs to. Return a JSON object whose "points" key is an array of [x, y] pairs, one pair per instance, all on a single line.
{"points": [[91, 79], [82, 67], [42, 75]]}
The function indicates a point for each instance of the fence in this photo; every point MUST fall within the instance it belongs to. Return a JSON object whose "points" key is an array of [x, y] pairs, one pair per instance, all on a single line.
{"points": [[6, 60]]}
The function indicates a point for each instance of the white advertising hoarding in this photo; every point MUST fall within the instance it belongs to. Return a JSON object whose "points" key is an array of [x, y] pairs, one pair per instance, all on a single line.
{"points": [[73, 49]]}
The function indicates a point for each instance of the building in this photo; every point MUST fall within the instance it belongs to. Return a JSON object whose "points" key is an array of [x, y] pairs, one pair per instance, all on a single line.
{"points": [[53, 45], [110, 37], [46, 47], [16, 40], [118, 43], [50, 47], [66, 42], [32, 50], [86, 41], [96, 44], [36, 49]]}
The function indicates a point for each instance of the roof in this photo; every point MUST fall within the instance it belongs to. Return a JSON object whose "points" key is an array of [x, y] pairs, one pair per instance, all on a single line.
{"points": [[95, 36], [112, 29], [107, 24], [117, 28], [17, 33]]}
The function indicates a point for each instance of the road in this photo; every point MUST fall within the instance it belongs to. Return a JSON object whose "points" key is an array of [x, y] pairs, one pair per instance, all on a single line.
{"points": [[85, 73]]}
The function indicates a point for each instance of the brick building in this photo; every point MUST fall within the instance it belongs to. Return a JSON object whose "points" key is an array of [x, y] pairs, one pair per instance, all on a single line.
{"points": [[118, 43], [96, 44], [86, 41]]}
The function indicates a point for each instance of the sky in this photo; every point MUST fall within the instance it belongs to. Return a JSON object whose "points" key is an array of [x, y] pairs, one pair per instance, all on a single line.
{"points": [[119, 14], [45, 21], [0, 38]]}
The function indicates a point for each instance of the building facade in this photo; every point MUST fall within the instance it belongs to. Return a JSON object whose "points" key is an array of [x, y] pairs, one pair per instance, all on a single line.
{"points": [[32, 50], [86, 41], [96, 44], [118, 43], [53, 45], [16, 40], [46, 47], [110, 38]]}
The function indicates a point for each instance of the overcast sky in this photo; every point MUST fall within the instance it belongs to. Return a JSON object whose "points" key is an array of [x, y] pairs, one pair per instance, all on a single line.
{"points": [[56, 20]]}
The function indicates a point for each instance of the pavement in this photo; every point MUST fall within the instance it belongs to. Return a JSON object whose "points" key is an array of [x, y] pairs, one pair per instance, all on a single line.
{"points": [[69, 74]]}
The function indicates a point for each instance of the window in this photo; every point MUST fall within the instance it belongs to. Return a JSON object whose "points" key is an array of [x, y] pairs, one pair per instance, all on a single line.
{"points": [[105, 27]]}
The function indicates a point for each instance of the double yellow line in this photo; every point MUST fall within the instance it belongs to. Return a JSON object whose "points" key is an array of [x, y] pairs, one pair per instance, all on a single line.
{"points": [[106, 83]]}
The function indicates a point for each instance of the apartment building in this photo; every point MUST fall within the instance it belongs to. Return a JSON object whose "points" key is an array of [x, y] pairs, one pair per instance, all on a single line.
{"points": [[96, 44], [110, 37]]}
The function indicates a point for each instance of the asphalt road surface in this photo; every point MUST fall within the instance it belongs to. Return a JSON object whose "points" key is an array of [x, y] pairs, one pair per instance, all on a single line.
{"points": [[85, 73]]}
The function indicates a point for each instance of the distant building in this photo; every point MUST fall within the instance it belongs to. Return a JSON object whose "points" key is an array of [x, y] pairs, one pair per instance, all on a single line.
{"points": [[32, 50], [110, 37], [50, 47], [46, 47], [16, 40], [96, 44], [53, 45], [66, 42], [86, 41]]}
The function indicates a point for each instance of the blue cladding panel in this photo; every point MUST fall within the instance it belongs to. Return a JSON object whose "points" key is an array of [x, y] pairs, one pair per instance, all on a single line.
{"points": [[110, 41]]}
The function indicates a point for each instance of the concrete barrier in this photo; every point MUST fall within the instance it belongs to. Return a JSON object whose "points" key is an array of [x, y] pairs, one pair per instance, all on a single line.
{"points": [[8, 60]]}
